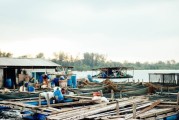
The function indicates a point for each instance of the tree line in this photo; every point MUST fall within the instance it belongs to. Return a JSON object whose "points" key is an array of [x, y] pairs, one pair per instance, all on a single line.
{"points": [[95, 60]]}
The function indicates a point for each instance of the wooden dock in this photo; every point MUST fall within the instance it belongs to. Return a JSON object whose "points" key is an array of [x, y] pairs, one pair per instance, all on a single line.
{"points": [[83, 107], [126, 108]]}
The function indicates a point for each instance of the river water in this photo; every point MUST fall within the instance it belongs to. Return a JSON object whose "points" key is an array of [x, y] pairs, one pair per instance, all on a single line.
{"points": [[138, 74]]}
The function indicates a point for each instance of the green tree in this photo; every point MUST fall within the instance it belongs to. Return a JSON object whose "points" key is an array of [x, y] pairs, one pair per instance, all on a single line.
{"points": [[40, 55], [5, 54]]}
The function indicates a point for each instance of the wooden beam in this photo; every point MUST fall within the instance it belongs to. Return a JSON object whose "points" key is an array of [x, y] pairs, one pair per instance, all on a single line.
{"points": [[39, 100], [134, 110]]}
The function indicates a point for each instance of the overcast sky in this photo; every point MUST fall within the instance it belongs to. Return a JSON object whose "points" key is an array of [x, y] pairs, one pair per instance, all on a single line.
{"points": [[132, 30]]}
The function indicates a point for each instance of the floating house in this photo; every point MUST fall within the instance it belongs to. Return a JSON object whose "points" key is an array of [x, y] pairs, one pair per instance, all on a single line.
{"points": [[12, 69], [114, 72], [166, 79]]}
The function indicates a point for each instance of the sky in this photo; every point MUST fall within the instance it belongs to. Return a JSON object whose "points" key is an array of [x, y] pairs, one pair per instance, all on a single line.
{"points": [[122, 30]]}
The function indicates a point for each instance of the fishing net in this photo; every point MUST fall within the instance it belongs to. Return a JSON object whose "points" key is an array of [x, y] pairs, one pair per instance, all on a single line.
{"points": [[165, 79]]}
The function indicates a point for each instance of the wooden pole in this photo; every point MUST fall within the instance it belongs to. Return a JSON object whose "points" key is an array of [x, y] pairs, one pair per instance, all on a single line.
{"points": [[117, 107], [120, 94], [112, 94], [14, 87], [134, 110], [161, 90], [101, 91], [48, 100], [177, 99], [23, 88], [39, 100]]}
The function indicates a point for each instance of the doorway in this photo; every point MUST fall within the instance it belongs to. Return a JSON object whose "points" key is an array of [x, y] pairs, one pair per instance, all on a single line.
{"points": [[9, 73]]}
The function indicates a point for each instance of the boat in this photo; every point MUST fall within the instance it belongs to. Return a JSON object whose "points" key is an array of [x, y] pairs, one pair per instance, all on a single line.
{"points": [[113, 72]]}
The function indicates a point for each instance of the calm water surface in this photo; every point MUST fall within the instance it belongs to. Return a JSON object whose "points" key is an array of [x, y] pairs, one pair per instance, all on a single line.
{"points": [[138, 74]]}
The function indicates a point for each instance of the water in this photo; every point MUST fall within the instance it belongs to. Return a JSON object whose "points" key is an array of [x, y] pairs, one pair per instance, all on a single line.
{"points": [[138, 74]]}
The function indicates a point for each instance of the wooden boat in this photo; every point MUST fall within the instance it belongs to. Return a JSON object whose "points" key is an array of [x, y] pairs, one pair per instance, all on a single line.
{"points": [[113, 72]]}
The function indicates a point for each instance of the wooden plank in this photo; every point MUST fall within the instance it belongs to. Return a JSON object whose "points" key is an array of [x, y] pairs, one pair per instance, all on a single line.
{"points": [[150, 107], [166, 106], [83, 109], [169, 103], [48, 100], [79, 97], [72, 103], [122, 111], [134, 110], [155, 113], [83, 114], [39, 100]]}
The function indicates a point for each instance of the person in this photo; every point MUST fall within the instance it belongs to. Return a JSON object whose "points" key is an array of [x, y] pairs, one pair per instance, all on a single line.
{"points": [[104, 75], [56, 80], [62, 77], [45, 81], [33, 82], [58, 95], [115, 74]]}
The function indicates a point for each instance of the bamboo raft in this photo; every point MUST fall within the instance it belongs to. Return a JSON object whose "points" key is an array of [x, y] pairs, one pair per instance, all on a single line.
{"points": [[138, 107]]}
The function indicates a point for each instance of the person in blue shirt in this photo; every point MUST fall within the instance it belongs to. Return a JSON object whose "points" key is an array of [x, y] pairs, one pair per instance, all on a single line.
{"points": [[56, 81], [58, 95]]}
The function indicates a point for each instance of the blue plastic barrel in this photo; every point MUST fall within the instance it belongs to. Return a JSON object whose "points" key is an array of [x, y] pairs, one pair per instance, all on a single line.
{"points": [[9, 83], [74, 81], [90, 78], [31, 89], [69, 82]]}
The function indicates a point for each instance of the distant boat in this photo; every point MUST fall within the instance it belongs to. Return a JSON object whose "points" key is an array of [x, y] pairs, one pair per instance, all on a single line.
{"points": [[114, 72]]}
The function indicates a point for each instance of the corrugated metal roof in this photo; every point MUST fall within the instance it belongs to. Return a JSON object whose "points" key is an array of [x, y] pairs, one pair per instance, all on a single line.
{"points": [[29, 62]]}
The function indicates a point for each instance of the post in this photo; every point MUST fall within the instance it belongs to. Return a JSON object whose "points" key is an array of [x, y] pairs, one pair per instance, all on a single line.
{"points": [[120, 94], [161, 90], [134, 110], [101, 93], [48, 100], [117, 108], [177, 99], [112, 94], [23, 88], [14, 87], [39, 100]]}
